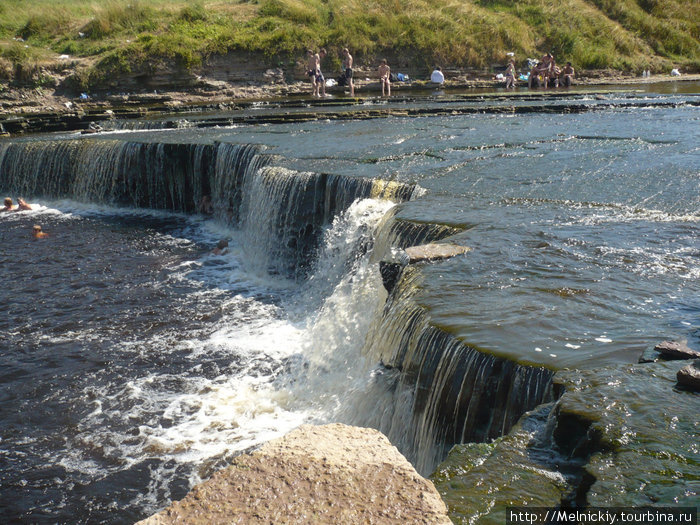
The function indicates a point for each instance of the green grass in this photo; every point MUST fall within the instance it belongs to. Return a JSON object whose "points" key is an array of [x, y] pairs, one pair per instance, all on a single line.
{"points": [[119, 37]]}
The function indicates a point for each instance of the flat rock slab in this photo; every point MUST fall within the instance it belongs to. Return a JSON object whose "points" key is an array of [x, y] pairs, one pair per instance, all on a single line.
{"points": [[315, 474], [434, 251], [676, 350], [689, 375]]}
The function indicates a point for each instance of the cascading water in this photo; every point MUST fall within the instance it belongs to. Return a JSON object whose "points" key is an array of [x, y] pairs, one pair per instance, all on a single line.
{"points": [[147, 175], [435, 399], [139, 362], [439, 391]]}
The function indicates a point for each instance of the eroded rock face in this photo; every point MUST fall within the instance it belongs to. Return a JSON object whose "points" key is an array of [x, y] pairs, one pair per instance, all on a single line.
{"points": [[315, 474]]}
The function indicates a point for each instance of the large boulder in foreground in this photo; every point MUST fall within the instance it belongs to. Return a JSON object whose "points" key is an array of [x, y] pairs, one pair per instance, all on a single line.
{"points": [[315, 474]]}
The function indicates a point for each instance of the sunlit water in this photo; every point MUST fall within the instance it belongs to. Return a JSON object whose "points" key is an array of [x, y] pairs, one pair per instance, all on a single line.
{"points": [[134, 361]]}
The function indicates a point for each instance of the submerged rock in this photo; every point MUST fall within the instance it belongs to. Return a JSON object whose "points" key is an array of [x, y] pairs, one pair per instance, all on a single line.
{"points": [[315, 474], [689, 375], [676, 350]]}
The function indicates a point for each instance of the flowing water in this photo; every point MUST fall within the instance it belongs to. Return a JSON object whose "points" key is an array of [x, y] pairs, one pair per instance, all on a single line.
{"points": [[135, 362]]}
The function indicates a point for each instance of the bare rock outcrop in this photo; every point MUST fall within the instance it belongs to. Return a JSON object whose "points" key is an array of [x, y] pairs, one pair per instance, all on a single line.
{"points": [[676, 350], [315, 474], [689, 375]]}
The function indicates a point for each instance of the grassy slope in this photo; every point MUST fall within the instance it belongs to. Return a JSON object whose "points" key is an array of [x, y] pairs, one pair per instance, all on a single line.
{"points": [[118, 36]]}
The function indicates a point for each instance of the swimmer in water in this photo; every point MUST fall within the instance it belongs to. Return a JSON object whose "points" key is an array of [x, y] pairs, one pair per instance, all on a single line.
{"points": [[221, 247], [37, 233], [8, 205], [22, 205]]}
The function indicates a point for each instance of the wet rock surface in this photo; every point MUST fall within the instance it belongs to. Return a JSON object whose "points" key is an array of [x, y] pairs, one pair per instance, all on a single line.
{"points": [[315, 474], [689, 376], [676, 350], [434, 252]]}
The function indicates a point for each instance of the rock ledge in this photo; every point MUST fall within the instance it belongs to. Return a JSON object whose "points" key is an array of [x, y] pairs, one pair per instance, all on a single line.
{"points": [[315, 474]]}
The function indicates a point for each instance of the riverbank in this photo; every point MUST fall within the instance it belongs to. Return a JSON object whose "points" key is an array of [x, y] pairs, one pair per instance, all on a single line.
{"points": [[38, 110], [29, 101]]}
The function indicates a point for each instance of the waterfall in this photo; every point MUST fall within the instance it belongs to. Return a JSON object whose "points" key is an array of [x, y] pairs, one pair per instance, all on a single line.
{"points": [[235, 164], [433, 390], [280, 212], [438, 391], [145, 175]]}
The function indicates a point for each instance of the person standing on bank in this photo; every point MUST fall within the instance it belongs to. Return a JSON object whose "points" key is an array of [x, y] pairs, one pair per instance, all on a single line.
{"points": [[320, 80], [510, 74], [347, 66], [311, 70], [385, 77]]}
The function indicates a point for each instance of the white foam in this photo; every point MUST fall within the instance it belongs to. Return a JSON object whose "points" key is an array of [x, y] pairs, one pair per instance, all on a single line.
{"points": [[281, 362]]}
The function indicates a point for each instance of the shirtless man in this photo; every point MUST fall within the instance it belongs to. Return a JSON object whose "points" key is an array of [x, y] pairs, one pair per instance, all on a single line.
{"points": [[22, 205], [568, 74], [311, 70], [347, 66], [37, 233], [320, 81], [385, 77]]}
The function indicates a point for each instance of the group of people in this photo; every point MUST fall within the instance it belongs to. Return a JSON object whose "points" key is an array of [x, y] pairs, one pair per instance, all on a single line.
{"points": [[318, 81], [544, 73], [22, 205], [547, 73]]}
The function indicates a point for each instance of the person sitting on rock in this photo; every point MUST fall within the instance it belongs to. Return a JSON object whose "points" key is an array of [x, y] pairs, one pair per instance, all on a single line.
{"points": [[437, 76], [568, 74]]}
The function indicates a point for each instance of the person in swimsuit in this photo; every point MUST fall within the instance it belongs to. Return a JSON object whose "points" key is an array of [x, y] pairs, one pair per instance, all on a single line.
{"points": [[510, 74], [22, 204], [347, 66], [37, 233], [568, 73], [311, 70], [320, 80], [385, 77]]}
